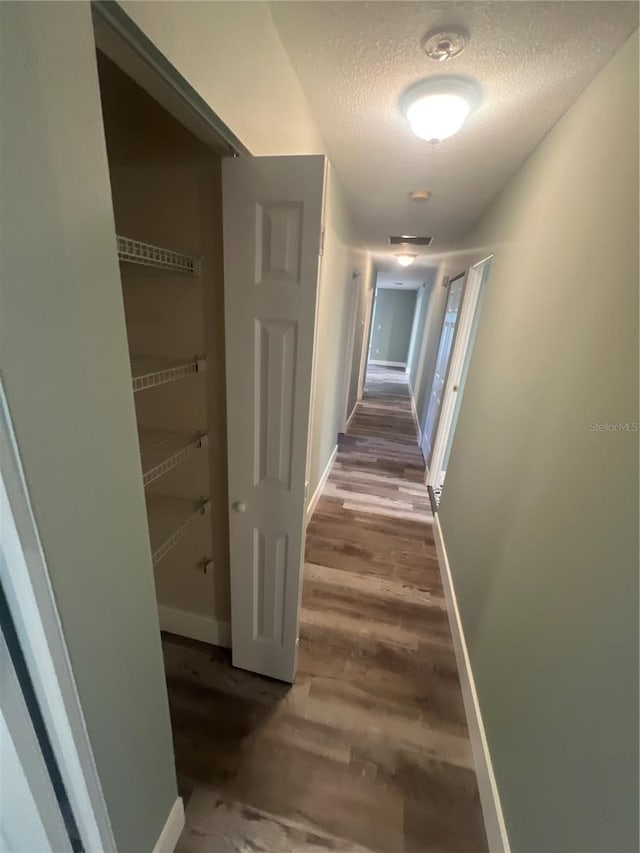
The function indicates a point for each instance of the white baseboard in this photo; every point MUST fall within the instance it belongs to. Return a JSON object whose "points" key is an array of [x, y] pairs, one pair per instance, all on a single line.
{"points": [[495, 828], [174, 825], [315, 497], [195, 626], [414, 413], [387, 363], [350, 418]]}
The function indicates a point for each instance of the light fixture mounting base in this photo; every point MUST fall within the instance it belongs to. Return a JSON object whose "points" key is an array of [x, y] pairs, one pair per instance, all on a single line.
{"points": [[445, 43]]}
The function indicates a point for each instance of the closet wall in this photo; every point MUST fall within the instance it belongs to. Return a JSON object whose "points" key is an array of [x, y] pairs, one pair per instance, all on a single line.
{"points": [[166, 191]]}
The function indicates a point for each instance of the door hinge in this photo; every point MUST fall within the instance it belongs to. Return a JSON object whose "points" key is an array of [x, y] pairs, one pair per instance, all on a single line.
{"points": [[321, 252]]}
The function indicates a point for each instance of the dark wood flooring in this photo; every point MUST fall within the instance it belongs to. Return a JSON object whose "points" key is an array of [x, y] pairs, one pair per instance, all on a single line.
{"points": [[368, 750]]}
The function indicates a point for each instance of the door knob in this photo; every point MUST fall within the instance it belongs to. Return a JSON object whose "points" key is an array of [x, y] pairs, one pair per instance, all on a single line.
{"points": [[240, 506]]}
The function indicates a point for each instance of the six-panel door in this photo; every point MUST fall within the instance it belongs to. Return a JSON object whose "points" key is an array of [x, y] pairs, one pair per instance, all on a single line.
{"points": [[272, 223]]}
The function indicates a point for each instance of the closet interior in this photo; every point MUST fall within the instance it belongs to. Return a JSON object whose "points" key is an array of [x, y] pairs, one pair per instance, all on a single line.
{"points": [[166, 192]]}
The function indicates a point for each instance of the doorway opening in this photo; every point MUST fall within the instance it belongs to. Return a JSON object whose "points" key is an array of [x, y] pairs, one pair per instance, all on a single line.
{"points": [[460, 323]]}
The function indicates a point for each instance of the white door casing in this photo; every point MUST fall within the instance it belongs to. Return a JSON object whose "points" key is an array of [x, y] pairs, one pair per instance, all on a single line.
{"points": [[353, 302], [366, 334], [26, 584], [272, 232], [459, 360], [447, 339], [30, 817]]}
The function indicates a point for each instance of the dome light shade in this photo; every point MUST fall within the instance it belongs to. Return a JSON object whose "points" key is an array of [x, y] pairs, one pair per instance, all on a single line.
{"points": [[437, 107], [438, 116], [405, 259]]}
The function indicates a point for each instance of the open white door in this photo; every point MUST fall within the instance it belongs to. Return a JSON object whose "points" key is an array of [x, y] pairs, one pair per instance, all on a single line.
{"points": [[272, 224], [445, 348], [454, 387]]}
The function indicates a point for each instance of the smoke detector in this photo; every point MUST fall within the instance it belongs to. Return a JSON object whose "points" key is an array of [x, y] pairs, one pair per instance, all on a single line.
{"points": [[420, 195], [444, 44]]}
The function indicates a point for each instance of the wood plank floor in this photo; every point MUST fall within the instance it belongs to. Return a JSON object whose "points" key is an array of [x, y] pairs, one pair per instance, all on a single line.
{"points": [[368, 750]]}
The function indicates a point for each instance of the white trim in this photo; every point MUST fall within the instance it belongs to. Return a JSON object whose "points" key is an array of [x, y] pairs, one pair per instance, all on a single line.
{"points": [[195, 626], [27, 585], [172, 829], [414, 412], [350, 418], [366, 335], [495, 828], [470, 304], [388, 363], [315, 497], [354, 306]]}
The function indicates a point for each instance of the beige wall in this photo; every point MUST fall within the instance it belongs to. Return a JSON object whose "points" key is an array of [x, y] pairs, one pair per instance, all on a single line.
{"points": [[231, 53], [64, 363], [540, 512]]}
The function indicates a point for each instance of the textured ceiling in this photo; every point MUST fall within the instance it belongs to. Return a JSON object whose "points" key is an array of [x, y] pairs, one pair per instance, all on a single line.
{"points": [[354, 59]]}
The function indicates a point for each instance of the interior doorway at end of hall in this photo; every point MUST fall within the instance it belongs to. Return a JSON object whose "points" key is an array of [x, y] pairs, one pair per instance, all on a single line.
{"points": [[459, 328], [392, 326]]}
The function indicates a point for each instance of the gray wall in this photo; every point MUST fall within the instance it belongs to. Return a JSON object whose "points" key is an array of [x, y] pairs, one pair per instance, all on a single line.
{"points": [[64, 364], [540, 512], [342, 252], [364, 284], [420, 327], [392, 324]]}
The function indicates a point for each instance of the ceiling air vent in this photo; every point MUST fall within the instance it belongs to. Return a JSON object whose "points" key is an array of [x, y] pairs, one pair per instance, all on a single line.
{"points": [[406, 240]]}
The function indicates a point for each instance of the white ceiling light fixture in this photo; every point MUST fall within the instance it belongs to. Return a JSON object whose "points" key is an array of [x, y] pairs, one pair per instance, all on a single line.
{"points": [[405, 259], [436, 108]]}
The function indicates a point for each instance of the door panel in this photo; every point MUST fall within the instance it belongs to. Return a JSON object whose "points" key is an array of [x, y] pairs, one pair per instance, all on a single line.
{"points": [[445, 348], [272, 221]]}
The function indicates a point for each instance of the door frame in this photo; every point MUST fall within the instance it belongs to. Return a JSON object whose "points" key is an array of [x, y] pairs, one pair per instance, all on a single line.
{"points": [[475, 281], [366, 340], [427, 402], [122, 40], [353, 297], [25, 580]]}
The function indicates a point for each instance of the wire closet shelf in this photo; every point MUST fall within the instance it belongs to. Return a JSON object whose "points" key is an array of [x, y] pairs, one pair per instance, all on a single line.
{"points": [[161, 450], [147, 255], [149, 370]]}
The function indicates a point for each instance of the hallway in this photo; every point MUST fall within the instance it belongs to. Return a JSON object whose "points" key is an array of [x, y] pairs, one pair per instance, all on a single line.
{"points": [[369, 748]]}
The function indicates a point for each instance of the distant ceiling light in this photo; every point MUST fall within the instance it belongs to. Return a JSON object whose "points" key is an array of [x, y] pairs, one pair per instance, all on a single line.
{"points": [[444, 44], [420, 195], [405, 259], [437, 107]]}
